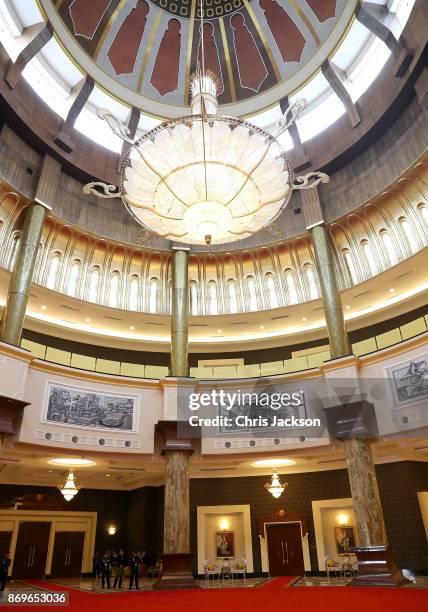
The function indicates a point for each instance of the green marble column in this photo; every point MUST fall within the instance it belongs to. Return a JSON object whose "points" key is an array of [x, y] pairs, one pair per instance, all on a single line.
{"points": [[22, 275], [176, 505], [333, 309], [179, 314], [362, 476]]}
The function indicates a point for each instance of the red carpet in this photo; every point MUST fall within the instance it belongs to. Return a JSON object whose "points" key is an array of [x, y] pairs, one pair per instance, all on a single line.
{"points": [[273, 596]]}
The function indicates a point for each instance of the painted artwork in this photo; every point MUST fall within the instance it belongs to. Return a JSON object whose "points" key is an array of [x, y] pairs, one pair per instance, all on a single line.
{"points": [[88, 408], [224, 541], [345, 539], [409, 381]]}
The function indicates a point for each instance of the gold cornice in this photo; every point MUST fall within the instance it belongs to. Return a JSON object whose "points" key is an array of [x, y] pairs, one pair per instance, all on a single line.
{"points": [[16, 352]]}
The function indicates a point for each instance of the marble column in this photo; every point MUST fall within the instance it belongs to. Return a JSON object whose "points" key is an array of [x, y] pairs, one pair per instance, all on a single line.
{"points": [[179, 314], [22, 275], [176, 506], [333, 309], [362, 476]]}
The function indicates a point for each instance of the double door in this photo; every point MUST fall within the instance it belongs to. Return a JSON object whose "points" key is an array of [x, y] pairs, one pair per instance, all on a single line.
{"points": [[31, 550], [285, 549], [67, 554]]}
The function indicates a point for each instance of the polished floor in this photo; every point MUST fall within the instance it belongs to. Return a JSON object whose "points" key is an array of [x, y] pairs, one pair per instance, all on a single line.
{"points": [[323, 581]]}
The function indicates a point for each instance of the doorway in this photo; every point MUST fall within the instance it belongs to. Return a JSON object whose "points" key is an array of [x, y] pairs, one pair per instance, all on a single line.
{"points": [[67, 554], [285, 550], [31, 550]]}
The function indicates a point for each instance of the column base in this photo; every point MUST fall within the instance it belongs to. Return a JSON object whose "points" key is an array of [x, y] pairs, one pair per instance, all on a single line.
{"points": [[377, 567], [177, 572]]}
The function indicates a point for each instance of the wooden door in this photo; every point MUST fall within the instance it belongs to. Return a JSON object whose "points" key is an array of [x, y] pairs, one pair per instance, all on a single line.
{"points": [[67, 554], [31, 550], [5, 538], [285, 549]]}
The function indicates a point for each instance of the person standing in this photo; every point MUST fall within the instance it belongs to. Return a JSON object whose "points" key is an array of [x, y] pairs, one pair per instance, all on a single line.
{"points": [[97, 564], [134, 569], [106, 570], [119, 562], [4, 570]]}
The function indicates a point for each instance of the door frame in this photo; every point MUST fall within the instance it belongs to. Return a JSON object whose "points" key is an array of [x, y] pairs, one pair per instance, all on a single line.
{"points": [[264, 544], [60, 521]]}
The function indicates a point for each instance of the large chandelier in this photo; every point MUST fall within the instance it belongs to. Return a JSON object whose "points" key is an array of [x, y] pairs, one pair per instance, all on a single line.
{"points": [[205, 178], [69, 488], [275, 487]]}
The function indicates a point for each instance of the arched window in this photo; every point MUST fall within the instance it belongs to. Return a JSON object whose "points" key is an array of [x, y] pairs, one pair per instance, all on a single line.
{"points": [[291, 286], [410, 236], [113, 294], [424, 212], [74, 277], [252, 295], [94, 279], [134, 286], [370, 260], [231, 301], [153, 294], [349, 264], [193, 298], [391, 253], [212, 298], [13, 253], [272, 298], [311, 282], [53, 270]]}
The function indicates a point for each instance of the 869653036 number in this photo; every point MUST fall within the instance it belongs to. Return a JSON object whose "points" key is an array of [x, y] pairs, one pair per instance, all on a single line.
{"points": [[52, 598]]}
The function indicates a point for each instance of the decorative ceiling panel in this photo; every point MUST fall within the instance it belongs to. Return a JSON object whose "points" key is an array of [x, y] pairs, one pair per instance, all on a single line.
{"points": [[151, 47]]}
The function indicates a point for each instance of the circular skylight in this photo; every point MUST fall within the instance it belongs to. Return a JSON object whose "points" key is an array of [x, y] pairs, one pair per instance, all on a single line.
{"points": [[273, 463], [65, 462]]}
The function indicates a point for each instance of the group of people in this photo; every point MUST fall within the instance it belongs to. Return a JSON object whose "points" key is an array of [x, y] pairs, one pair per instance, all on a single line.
{"points": [[117, 565]]}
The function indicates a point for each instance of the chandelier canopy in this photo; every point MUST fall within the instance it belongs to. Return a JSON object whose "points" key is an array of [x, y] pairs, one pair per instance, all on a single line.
{"points": [[205, 178]]}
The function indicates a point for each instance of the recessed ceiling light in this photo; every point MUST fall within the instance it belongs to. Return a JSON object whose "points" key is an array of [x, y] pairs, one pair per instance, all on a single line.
{"points": [[88, 320], [304, 319], [219, 331], [132, 328], [347, 307], [108, 475], [44, 307], [273, 462], [262, 326], [71, 462], [392, 290]]}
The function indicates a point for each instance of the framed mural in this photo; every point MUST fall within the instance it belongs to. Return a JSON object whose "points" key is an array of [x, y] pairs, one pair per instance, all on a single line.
{"points": [[345, 539], [409, 381], [225, 544], [90, 408]]}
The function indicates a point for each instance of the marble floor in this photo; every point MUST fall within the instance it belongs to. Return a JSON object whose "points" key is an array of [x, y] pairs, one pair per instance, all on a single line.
{"points": [[146, 584], [308, 581]]}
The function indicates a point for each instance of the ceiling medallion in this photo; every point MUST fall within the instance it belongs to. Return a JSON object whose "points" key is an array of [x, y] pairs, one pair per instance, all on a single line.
{"points": [[205, 178]]}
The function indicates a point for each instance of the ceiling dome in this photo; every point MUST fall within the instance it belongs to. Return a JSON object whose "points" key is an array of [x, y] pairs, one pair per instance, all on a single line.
{"points": [[144, 51]]}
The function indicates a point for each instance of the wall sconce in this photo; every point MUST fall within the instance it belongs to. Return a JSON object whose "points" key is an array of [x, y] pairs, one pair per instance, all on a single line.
{"points": [[111, 530], [343, 519], [224, 524]]}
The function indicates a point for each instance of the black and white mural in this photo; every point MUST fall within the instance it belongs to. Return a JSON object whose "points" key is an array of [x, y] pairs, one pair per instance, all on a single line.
{"points": [[90, 408], [409, 381]]}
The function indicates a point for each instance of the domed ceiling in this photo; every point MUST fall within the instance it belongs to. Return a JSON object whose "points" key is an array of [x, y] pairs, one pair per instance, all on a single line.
{"points": [[261, 50]]}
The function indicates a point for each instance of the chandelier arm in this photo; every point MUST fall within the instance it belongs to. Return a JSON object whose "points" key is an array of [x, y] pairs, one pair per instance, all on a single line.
{"points": [[115, 124], [151, 210], [140, 153], [290, 116], [310, 180], [102, 190]]}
